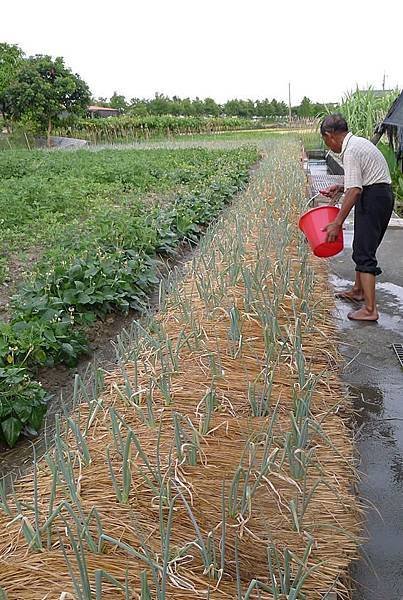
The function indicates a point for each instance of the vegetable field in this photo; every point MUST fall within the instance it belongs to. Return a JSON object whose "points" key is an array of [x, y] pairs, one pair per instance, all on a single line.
{"points": [[73, 200], [91, 226], [216, 461]]}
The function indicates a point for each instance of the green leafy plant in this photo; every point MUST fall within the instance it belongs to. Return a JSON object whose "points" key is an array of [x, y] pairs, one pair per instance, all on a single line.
{"points": [[22, 404], [364, 109], [47, 339], [115, 269], [395, 170]]}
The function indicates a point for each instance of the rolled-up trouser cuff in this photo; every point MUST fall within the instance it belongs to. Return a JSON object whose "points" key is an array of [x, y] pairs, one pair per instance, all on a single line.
{"points": [[373, 270]]}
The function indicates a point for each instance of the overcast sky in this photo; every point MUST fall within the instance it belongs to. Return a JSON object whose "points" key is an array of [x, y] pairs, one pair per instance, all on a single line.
{"points": [[218, 48]]}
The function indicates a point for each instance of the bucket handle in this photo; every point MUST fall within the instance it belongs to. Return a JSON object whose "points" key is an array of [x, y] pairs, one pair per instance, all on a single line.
{"points": [[332, 202], [310, 199]]}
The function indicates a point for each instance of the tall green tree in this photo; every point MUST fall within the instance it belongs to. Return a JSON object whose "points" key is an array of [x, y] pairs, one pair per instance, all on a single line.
{"points": [[211, 108], [306, 108], [159, 105], [188, 107], [118, 101], [139, 107], [10, 61], [264, 108], [100, 101], [44, 90], [232, 108]]}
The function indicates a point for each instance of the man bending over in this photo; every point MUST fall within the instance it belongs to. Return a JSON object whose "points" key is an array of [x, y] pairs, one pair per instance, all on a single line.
{"points": [[367, 187]]}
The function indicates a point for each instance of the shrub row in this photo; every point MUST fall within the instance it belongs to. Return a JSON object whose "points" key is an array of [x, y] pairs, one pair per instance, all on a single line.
{"points": [[132, 127]]}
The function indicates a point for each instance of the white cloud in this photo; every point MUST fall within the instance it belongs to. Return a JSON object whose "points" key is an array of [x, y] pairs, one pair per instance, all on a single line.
{"points": [[218, 48]]}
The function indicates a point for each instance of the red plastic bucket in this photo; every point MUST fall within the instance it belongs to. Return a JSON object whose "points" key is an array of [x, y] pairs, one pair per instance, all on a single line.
{"points": [[311, 224]]}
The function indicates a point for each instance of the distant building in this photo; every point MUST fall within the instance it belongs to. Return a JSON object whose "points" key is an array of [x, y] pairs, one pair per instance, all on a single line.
{"points": [[103, 111]]}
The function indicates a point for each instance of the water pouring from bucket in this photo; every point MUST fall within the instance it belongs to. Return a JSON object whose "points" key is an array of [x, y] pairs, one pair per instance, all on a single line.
{"points": [[313, 222]]}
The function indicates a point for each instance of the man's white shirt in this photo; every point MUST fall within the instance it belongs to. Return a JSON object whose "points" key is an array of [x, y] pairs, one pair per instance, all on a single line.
{"points": [[364, 164]]}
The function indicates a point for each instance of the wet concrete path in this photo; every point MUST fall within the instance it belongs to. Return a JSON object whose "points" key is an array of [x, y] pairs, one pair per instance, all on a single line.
{"points": [[375, 380]]}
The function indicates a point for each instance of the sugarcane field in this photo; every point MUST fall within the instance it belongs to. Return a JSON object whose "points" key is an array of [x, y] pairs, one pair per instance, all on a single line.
{"points": [[201, 309]]}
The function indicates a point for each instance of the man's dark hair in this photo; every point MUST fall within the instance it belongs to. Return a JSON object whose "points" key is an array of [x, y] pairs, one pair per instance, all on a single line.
{"points": [[335, 123]]}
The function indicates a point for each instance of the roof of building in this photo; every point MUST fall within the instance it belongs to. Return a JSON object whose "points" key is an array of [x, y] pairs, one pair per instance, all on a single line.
{"points": [[105, 108]]}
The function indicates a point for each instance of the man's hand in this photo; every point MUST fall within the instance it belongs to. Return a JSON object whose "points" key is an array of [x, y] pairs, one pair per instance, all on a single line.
{"points": [[331, 191], [332, 230]]}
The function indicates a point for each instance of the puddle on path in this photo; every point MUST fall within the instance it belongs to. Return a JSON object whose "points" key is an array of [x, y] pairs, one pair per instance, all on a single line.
{"points": [[367, 403], [392, 289], [379, 436], [374, 379], [390, 303]]}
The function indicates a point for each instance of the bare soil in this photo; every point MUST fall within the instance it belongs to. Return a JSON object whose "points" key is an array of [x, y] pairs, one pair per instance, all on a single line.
{"points": [[18, 267]]}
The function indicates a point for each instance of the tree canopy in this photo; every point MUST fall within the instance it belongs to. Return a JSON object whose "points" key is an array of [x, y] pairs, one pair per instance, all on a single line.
{"points": [[44, 90], [10, 60], [38, 90], [164, 105], [118, 101], [307, 108]]}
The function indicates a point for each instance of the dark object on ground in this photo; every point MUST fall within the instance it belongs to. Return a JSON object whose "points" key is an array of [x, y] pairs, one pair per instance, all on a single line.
{"points": [[392, 125]]}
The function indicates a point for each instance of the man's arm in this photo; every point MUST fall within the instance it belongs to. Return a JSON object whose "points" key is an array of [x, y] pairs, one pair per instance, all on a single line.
{"points": [[350, 198], [332, 191]]}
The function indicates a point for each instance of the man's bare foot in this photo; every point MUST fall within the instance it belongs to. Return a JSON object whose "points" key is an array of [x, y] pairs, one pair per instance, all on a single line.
{"points": [[350, 295], [363, 314]]}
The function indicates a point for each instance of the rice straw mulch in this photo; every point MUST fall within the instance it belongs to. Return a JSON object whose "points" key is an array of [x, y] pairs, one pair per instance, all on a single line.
{"points": [[223, 432]]}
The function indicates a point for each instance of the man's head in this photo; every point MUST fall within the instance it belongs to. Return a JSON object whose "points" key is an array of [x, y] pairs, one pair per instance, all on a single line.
{"points": [[333, 130]]}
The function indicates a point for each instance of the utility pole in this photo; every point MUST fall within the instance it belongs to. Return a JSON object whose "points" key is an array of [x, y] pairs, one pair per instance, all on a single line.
{"points": [[383, 82], [289, 102]]}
